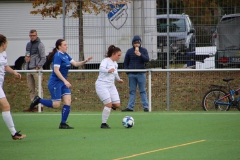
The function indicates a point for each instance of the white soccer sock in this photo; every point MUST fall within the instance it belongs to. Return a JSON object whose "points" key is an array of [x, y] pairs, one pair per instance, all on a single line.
{"points": [[105, 114], [7, 117]]}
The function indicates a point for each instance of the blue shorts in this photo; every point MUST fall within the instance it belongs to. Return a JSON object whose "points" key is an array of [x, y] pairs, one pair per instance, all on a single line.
{"points": [[57, 90]]}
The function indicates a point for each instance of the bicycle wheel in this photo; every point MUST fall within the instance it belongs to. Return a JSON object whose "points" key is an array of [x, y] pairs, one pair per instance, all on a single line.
{"points": [[209, 100]]}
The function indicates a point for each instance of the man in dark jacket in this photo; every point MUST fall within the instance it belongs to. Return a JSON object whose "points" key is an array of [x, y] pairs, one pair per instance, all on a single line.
{"points": [[135, 58]]}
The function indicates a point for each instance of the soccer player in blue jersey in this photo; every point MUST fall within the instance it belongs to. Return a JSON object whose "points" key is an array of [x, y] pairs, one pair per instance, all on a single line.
{"points": [[58, 84]]}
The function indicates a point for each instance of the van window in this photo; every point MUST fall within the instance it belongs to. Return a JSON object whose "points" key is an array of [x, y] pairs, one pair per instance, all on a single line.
{"points": [[175, 25]]}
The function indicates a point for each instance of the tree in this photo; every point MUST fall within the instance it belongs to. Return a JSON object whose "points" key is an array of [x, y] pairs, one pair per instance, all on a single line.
{"points": [[54, 8]]}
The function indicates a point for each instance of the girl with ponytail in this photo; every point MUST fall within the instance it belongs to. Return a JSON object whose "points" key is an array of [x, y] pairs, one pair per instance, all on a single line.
{"points": [[105, 86], [58, 84]]}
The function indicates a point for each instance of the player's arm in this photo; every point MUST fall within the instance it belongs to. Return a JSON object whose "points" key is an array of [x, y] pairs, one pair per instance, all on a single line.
{"points": [[103, 67], [80, 63], [10, 70], [117, 78]]}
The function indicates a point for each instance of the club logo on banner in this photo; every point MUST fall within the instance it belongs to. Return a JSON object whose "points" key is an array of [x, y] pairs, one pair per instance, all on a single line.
{"points": [[118, 15]]}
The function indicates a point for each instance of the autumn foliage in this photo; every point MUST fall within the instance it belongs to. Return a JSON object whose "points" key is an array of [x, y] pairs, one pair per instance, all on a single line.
{"points": [[48, 8]]}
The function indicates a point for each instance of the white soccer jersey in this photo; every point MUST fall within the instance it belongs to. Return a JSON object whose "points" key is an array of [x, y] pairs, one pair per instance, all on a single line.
{"points": [[105, 77], [104, 85], [3, 63]]}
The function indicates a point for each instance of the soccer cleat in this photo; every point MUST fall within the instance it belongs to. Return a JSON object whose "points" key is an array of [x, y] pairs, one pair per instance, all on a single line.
{"points": [[34, 102], [105, 126], [114, 108], [64, 126], [18, 136], [127, 110], [145, 110]]}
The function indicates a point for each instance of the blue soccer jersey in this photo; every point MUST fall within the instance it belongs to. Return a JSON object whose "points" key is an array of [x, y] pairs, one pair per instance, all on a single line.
{"points": [[61, 60]]}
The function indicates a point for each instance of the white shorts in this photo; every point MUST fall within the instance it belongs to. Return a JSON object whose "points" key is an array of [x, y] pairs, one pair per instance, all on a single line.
{"points": [[2, 94], [105, 92]]}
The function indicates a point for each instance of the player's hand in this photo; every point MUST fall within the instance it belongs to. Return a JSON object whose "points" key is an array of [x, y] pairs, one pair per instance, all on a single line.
{"points": [[89, 58], [111, 70], [68, 84], [120, 81], [18, 75]]}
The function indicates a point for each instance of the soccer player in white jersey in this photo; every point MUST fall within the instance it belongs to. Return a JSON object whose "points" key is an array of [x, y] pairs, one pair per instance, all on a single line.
{"points": [[4, 105], [58, 84], [105, 86]]}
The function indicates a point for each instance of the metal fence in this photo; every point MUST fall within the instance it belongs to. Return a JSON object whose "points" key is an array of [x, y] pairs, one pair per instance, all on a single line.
{"points": [[170, 89], [92, 34]]}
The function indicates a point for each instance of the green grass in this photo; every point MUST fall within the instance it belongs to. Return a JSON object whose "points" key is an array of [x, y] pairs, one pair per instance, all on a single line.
{"points": [[155, 135]]}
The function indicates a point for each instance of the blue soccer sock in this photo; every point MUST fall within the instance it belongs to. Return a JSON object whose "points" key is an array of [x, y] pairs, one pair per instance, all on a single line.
{"points": [[46, 102], [65, 113]]}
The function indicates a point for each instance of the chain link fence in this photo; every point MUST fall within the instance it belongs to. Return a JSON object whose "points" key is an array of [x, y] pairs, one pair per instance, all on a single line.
{"points": [[186, 91]]}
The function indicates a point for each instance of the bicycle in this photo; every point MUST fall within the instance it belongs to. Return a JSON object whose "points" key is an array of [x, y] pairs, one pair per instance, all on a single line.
{"points": [[218, 99]]}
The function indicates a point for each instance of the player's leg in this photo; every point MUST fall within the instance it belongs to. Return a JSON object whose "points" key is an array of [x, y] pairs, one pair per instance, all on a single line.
{"points": [[56, 91], [104, 95], [106, 112], [114, 97], [66, 96], [54, 102], [7, 117], [56, 94]]}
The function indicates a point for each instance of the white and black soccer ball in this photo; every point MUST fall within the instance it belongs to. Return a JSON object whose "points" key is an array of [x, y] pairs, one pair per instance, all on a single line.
{"points": [[128, 122]]}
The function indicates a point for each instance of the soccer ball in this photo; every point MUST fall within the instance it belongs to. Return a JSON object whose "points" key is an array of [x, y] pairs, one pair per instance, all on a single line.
{"points": [[128, 122]]}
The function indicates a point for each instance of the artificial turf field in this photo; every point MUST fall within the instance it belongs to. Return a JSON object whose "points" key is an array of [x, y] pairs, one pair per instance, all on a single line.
{"points": [[155, 136]]}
